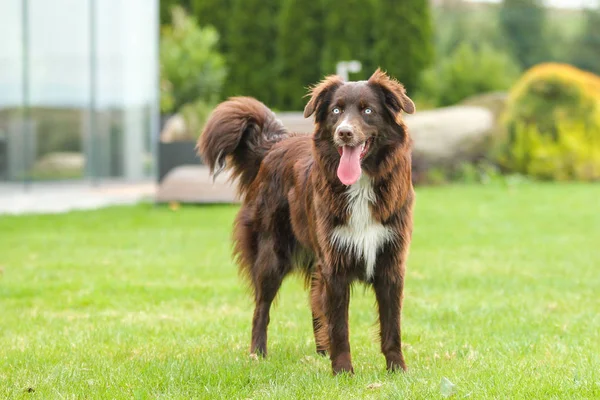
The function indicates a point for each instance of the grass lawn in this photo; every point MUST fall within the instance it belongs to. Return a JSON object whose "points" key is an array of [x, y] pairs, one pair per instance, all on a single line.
{"points": [[502, 300]]}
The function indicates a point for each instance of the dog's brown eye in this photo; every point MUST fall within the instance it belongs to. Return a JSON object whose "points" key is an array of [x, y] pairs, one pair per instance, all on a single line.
{"points": [[368, 111], [336, 110]]}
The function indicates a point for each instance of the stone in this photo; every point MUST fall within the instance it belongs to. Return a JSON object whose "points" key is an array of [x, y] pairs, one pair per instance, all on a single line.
{"points": [[192, 184], [447, 137], [493, 101]]}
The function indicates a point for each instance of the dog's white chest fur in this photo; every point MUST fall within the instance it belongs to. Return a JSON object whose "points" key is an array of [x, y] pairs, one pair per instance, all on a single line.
{"points": [[361, 235]]}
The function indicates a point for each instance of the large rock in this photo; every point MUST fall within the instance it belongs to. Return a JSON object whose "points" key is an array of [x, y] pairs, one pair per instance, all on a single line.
{"points": [[296, 122], [447, 137], [494, 101], [192, 184]]}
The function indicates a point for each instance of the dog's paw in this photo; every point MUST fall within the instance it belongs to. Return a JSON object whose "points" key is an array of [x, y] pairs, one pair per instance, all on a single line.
{"points": [[342, 364], [396, 364], [340, 369]]}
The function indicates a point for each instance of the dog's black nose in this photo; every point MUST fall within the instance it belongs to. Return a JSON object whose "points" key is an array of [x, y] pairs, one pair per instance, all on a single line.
{"points": [[345, 134]]}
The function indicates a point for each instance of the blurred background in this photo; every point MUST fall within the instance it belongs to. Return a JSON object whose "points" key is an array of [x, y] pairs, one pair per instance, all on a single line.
{"points": [[97, 91], [78, 89]]}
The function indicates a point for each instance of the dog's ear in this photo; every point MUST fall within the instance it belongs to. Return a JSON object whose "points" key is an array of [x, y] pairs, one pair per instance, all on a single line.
{"points": [[395, 97], [320, 92]]}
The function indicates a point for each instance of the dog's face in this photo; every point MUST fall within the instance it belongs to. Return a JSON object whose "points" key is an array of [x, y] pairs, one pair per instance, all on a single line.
{"points": [[355, 118]]}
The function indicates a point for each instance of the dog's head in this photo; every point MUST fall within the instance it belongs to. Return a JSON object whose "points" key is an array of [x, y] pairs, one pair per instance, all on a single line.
{"points": [[356, 119]]}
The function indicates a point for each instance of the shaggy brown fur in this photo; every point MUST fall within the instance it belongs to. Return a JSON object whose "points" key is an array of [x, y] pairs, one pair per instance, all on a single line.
{"points": [[294, 203]]}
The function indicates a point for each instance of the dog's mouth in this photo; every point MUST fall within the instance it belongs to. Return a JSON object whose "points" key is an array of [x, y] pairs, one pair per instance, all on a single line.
{"points": [[364, 146], [349, 169]]}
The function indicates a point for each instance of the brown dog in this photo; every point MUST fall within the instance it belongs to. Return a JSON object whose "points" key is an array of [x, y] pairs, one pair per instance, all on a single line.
{"points": [[336, 204]]}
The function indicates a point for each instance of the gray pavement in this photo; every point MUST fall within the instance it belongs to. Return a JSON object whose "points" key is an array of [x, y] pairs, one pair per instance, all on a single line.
{"points": [[60, 197]]}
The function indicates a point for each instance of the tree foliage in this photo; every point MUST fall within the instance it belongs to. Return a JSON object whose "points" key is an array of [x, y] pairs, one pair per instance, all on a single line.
{"points": [[298, 51], [348, 35], [251, 49], [191, 67], [404, 33], [469, 70], [216, 14], [586, 52], [524, 25], [166, 9]]}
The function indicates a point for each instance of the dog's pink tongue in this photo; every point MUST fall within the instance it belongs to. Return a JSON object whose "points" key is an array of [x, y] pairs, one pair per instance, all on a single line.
{"points": [[349, 169]]}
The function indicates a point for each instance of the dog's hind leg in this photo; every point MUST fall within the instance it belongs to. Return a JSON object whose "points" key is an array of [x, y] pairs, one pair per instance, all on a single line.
{"points": [[267, 274], [317, 293]]}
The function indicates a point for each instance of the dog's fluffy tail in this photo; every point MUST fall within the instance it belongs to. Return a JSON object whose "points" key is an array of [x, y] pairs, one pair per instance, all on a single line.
{"points": [[237, 136]]}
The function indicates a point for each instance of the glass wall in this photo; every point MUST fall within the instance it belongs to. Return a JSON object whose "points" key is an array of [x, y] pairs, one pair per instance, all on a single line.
{"points": [[78, 89]]}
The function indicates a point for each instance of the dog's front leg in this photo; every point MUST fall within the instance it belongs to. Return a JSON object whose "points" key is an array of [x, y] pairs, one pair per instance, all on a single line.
{"points": [[388, 290], [337, 287]]}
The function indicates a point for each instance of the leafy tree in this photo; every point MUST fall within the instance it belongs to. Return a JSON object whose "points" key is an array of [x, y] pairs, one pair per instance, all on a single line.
{"points": [[298, 51], [404, 35], [348, 35], [457, 22], [166, 7], [216, 14], [524, 26], [251, 49], [191, 68], [586, 53], [467, 71]]}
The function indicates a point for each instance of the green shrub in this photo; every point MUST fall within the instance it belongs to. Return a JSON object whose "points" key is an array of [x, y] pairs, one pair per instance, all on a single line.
{"points": [[191, 67], [551, 93], [572, 154], [553, 125], [469, 70]]}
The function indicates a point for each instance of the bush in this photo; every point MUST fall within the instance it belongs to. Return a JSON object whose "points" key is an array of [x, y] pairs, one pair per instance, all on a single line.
{"points": [[549, 93], [191, 67], [572, 154], [468, 71], [553, 124]]}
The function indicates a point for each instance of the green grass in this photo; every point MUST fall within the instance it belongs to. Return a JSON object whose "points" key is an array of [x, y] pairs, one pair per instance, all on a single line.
{"points": [[502, 299]]}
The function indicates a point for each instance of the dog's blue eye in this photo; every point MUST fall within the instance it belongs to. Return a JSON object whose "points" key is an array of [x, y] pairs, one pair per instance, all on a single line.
{"points": [[368, 111], [336, 110]]}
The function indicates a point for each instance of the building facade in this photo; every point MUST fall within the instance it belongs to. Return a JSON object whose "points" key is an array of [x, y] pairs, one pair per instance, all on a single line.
{"points": [[79, 91]]}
